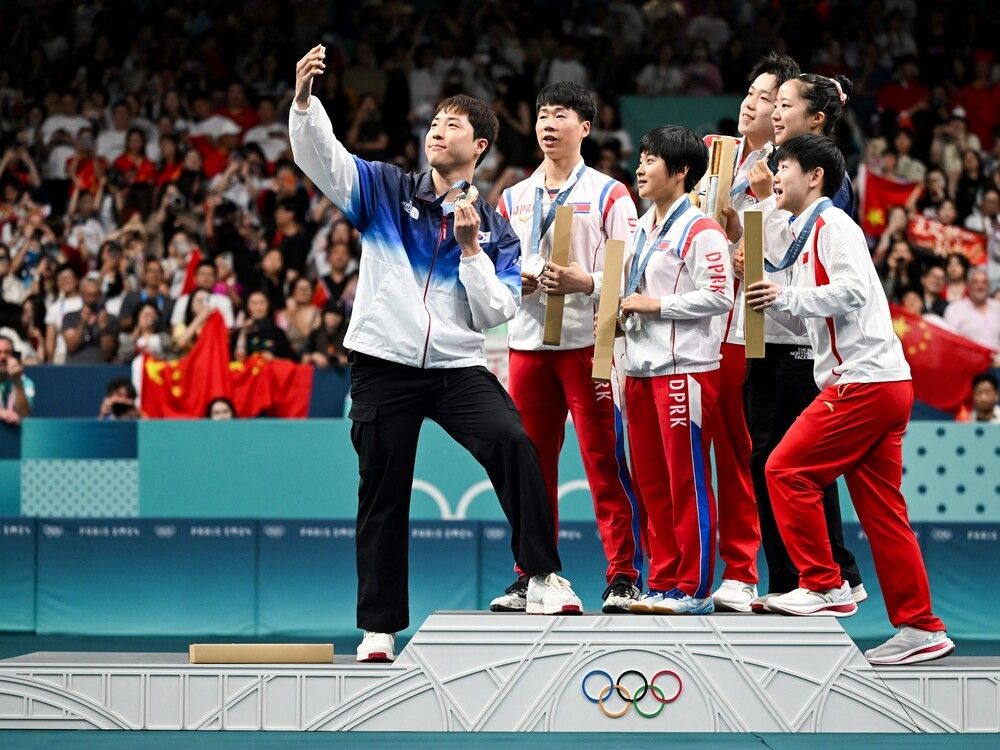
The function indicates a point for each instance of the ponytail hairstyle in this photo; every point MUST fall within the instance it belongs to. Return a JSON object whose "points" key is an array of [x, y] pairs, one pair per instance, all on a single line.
{"points": [[826, 95]]}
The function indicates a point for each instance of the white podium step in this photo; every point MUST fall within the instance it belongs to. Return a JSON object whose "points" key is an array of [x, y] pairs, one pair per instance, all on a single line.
{"points": [[466, 671]]}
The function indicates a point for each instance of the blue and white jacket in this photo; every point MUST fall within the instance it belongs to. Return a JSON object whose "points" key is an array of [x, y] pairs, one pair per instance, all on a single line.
{"points": [[419, 302]]}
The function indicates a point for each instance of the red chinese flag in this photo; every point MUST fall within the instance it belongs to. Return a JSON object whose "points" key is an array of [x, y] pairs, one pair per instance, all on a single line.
{"points": [[184, 388], [878, 195], [271, 387], [194, 258], [942, 363]]}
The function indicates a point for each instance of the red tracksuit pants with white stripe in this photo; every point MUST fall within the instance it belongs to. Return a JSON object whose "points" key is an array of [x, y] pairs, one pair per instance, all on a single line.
{"points": [[548, 385], [739, 526], [669, 444], [855, 430]]}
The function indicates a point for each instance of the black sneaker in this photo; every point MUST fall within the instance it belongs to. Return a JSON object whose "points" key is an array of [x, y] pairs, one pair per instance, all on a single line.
{"points": [[619, 595], [514, 599]]}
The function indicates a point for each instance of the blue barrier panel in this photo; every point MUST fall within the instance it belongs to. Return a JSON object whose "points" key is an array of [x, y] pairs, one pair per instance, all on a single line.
{"points": [[330, 389], [77, 439], [306, 578], [72, 390], [962, 565], [266, 468], [308, 583], [146, 577], [17, 574]]}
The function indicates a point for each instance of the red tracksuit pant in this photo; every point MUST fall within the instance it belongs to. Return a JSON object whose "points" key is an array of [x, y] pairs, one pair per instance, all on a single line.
{"points": [[548, 385], [855, 430], [739, 527], [669, 444]]}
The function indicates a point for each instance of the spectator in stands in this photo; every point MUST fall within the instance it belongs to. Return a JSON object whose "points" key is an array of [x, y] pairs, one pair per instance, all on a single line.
{"points": [[934, 194], [932, 282], [367, 137], [977, 316], [204, 279], [301, 317], [17, 391], [111, 141], [985, 406], [32, 328], [119, 401], [325, 347], [291, 238], [566, 65], [971, 183], [152, 292], [901, 271], [68, 301], [609, 128], [911, 301], [950, 141], [259, 334], [701, 76], [196, 314], [663, 77], [269, 133], [220, 408], [272, 279], [341, 282], [133, 166], [11, 287], [986, 220], [908, 169], [146, 335], [90, 333], [956, 268]]}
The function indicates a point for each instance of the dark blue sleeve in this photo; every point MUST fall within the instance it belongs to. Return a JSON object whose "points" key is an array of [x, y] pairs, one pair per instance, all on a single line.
{"points": [[844, 197], [507, 255]]}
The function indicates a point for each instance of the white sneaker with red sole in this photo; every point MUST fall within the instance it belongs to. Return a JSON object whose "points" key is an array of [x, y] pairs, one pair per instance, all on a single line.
{"points": [[911, 646], [552, 595], [836, 602], [377, 647]]}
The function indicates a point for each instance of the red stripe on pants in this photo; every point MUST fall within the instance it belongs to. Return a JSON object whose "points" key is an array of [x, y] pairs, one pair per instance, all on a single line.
{"points": [[855, 430], [662, 450], [739, 527], [548, 385]]}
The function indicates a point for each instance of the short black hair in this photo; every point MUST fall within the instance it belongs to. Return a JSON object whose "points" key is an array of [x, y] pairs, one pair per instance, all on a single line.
{"points": [[571, 96], [216, 400], [481, 116], [122, 382], [823, 94], [205, 262], [817, 151], [782, 67], [986, 377], [679, 147]]}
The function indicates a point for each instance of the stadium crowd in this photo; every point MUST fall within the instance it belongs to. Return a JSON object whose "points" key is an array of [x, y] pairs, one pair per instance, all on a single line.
{"points": [[146, 176]]}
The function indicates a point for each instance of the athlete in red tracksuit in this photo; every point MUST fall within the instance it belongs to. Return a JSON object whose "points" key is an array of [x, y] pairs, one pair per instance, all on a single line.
{"points": [[855, 426], [678, 279], [547, 382]]}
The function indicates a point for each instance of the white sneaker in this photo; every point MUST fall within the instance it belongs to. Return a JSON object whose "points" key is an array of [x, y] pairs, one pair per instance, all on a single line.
{"points": [[645, 603], [620, 595], [910, 646], [858, 593], [734, 596], [835, 602], [551, 595], [514, 599], [676, 602], [377, 647]]}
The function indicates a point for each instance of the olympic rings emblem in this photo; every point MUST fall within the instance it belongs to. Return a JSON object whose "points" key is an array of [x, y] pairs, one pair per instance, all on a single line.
{"points": [[629, 698]]}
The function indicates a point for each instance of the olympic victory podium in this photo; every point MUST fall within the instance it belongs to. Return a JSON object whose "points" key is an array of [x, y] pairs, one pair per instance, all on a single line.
{"points": [[472, 671]]}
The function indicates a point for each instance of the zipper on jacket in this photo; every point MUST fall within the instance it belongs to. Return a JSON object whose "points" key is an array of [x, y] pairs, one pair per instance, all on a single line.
{"points": [[427, 285]]}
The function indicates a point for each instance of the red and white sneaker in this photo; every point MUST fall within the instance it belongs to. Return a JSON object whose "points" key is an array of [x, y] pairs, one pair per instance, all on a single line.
{"points": [[377, 647], [911, 646], [552, 595], [836, 602]]}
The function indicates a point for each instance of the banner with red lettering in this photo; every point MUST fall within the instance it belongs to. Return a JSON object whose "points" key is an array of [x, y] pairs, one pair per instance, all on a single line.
{"points": [[944, 239]]}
